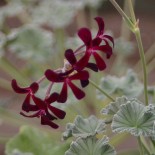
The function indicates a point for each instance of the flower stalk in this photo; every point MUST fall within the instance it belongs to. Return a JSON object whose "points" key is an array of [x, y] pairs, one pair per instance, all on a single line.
{"points": [[140, 146], [134, 26], [101, 90]]}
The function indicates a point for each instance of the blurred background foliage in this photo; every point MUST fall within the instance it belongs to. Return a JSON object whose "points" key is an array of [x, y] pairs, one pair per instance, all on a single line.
{"points": [[33, 37]]}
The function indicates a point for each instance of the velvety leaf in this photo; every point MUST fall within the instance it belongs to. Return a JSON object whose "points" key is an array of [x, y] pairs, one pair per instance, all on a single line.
{"points": [[68, 132], [32, 42], [113, 107], [36, 142], [134, 118], [90, 145], [128, 85], [17, 152], [84, 127]]}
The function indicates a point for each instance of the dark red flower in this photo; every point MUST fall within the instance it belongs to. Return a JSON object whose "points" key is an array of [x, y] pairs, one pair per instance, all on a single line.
{"points": [[43, 111], [72, 63], [30, 91], [94, 45], [67, 78]]}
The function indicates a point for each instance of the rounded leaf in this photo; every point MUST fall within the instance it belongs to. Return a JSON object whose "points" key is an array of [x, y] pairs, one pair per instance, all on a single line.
{"points": [[90, 145], [134, 118]]}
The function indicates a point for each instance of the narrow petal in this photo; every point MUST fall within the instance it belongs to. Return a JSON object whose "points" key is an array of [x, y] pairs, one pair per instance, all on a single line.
{"points": [[82, 63], [96, 41], [49, 115], [46, 121], [79, 94], [85, 36], [53, 76], [82, 75], [63, 94], [84, 83], [52, 98], [37, 114], [69, 54], [18, 89], [57, 112], [100, 23], [104, 48], [34, 87], [26, 106], [41, 104], [110, 38], [92, 66], [99, 61]]}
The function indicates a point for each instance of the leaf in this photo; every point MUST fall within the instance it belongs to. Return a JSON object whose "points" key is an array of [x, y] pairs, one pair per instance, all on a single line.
{"points": [[54, 12], [34, 141], [17, 152], [128, 85], [134, 118], [113, 107], [84, 127], [32, 42], [124, 47], [68, 132], [91, 146]]}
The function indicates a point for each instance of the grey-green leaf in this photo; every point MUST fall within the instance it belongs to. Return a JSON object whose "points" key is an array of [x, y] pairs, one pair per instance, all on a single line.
{"points": [[32, 42], [113, 107], [36, 142], [134, 118], [85, 127], [17, 152], [90, 145], [128, 85]]}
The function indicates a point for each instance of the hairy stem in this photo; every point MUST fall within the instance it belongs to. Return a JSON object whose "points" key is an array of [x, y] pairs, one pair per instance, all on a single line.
{"points": [[140, 146], [101, 90], [133, 25], [140, 47]]}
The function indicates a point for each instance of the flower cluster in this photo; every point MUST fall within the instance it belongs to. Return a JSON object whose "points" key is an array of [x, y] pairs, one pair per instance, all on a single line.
{"points": [[74, 69]]}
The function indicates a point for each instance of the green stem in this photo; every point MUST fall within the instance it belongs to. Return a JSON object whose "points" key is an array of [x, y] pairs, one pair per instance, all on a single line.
{"points": [[11, 70], [150, 54], [122, 13], [143, 61], [145, 146], [135, 29], [102, 91], [131, 9], [5, 84], [140, 146]]}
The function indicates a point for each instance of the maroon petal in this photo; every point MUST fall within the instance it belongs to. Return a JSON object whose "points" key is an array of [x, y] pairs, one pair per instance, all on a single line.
{"points": [[46, 121], [52, 98], [92, 66], [99, 61], [84, 83], [104, 48], [82, 63], [34, 87], [18, 89], [37, 114], [69, 54], [26, 106], [96, 41], [53, 76], [100, 23], [110, 38], [85, 36], [41, 104], [50, 116], [79, 94], [63, 94], [57, 112], [82, 75]]}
